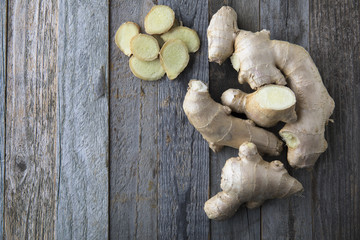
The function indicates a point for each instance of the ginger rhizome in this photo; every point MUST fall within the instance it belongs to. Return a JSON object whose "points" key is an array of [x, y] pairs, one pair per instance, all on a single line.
{"points": [[219, 128], [266, 106], [251, 180], [261, 61], [221, 34]]}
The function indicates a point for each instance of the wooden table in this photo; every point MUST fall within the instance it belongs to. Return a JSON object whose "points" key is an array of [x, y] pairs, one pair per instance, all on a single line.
{"points": [[90, 152]]}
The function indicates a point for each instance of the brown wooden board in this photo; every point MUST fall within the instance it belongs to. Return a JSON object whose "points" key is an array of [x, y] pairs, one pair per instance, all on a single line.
{"points": [[31, 90], [83, 136], [57, 140], [183, 153], [3, 9], [288, 218], [246, 223], [159, 168], [133, 137], [335, 47]]}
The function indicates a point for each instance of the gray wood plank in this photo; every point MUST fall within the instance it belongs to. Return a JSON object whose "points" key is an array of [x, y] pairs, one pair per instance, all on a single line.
{"points": [[246, 223], [83, 138], [183, 154], [133, 138], [3, 26], [288, 218], [31, 91], [335, 47]]}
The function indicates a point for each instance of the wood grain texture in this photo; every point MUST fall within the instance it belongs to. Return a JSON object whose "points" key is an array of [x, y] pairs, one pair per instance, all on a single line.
{"points": [[83, 138], [287, 218], [133, 138], [246, 223], [31, 90], [3, 26], [335, 47], [183, 153]]}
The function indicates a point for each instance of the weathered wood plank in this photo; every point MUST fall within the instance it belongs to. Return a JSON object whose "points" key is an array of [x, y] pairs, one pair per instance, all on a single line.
{"points": [[133, 138], [30, 185], [3, 18], [288, 218], [246, 223], [183, 154], [335, 47], [83, 139]]}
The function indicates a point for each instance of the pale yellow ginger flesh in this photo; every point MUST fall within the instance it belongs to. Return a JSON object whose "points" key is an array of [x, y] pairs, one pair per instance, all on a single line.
{"points": [[261, 61], [159, 20], [248, 179], [144, 47], [146, 70], [266, 106], [174, 57], [185, 34], [221, 34], [219, 128], [124, 34]]}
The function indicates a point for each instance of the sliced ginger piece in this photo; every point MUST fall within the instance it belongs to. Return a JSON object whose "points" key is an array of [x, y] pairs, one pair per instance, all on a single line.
{"points": [[174, 57], [266, 106], [146, 70], [144, 47], [124, 34], [159, 20], [185, 34]]}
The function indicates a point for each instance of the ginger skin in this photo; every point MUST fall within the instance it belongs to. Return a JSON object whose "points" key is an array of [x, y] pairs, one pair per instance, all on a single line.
{"points": [[251, 180], [266, 106], [221, 35], [261, 61], [219, 128]]}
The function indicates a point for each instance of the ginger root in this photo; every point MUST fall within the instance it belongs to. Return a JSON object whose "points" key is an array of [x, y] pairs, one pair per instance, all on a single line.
{"points": [[266, 106], [221, 34], [251, 180], [219, 128], [261, 61]]}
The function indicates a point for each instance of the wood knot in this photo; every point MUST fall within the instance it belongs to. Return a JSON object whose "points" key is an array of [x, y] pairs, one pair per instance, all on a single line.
{"points": [[21, 164]]}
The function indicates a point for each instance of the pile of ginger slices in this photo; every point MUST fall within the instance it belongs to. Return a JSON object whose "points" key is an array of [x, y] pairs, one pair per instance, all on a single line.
{"points": [[163, 49]]}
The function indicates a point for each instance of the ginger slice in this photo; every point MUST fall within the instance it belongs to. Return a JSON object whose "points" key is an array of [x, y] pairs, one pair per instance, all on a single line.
{"points": [[185, 34], [144, 47], [174, 57], [146, 70], [159, 20], [266, 106], [124, 34]]}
